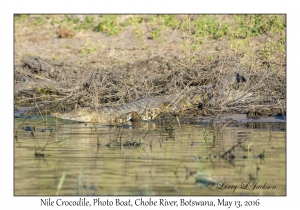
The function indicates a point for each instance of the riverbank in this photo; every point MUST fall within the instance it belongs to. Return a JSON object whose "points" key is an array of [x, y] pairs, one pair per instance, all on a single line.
{"points": [[238, 62]]}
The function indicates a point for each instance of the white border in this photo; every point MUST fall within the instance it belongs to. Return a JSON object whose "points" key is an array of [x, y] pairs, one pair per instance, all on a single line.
{"points": [[154, 6]]}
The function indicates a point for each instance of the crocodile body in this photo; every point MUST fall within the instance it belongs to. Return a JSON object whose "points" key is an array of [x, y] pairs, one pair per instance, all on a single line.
{"points": [[149, 108], [143, 109]]}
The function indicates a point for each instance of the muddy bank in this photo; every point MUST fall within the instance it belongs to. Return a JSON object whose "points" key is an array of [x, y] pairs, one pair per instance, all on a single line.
{"points": [[224, 86], [210, 75]]}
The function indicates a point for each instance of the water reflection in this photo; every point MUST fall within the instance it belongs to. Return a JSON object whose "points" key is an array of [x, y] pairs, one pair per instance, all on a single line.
{"points": [[216, 159]]}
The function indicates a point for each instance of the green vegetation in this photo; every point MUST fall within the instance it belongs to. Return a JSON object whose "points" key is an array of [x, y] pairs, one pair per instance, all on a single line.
{"points": [[41, 20], [274, 46], [211, 57], [254, 25], [248, 26], [155, 33], [239, 26], [87, 24], [200, 26], [145, 47], [55, 58], [162, 22], [90, 47], [137, 21], [239, 31], [109, 24], [65, 22], [45, 90], [165, 21], [21, 18], [207, 26]]}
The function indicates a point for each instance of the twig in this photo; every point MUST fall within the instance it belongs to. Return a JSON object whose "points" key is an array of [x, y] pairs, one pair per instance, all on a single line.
{"points": [[226, 104]]}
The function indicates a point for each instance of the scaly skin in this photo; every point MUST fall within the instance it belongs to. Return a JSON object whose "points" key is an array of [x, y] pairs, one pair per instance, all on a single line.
{"points": [[149, 108], [145, 109]]}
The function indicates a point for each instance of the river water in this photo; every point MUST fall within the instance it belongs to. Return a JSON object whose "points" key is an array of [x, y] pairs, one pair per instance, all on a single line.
{"points": [[149, 158]]}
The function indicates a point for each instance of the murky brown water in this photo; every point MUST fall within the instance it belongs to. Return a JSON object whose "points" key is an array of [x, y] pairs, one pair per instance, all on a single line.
{"points": [[184, 161]]}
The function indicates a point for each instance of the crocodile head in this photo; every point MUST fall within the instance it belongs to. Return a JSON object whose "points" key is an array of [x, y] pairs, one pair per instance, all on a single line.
{"points": [[81, 115], [91, 115]]}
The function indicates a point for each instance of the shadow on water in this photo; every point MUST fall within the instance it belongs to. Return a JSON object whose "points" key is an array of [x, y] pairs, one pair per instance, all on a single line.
{"points": [[149, 158]]}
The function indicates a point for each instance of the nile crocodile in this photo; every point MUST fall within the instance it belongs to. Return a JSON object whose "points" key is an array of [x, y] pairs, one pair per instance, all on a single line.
{"points": [[143, 109], [149, 108]]}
